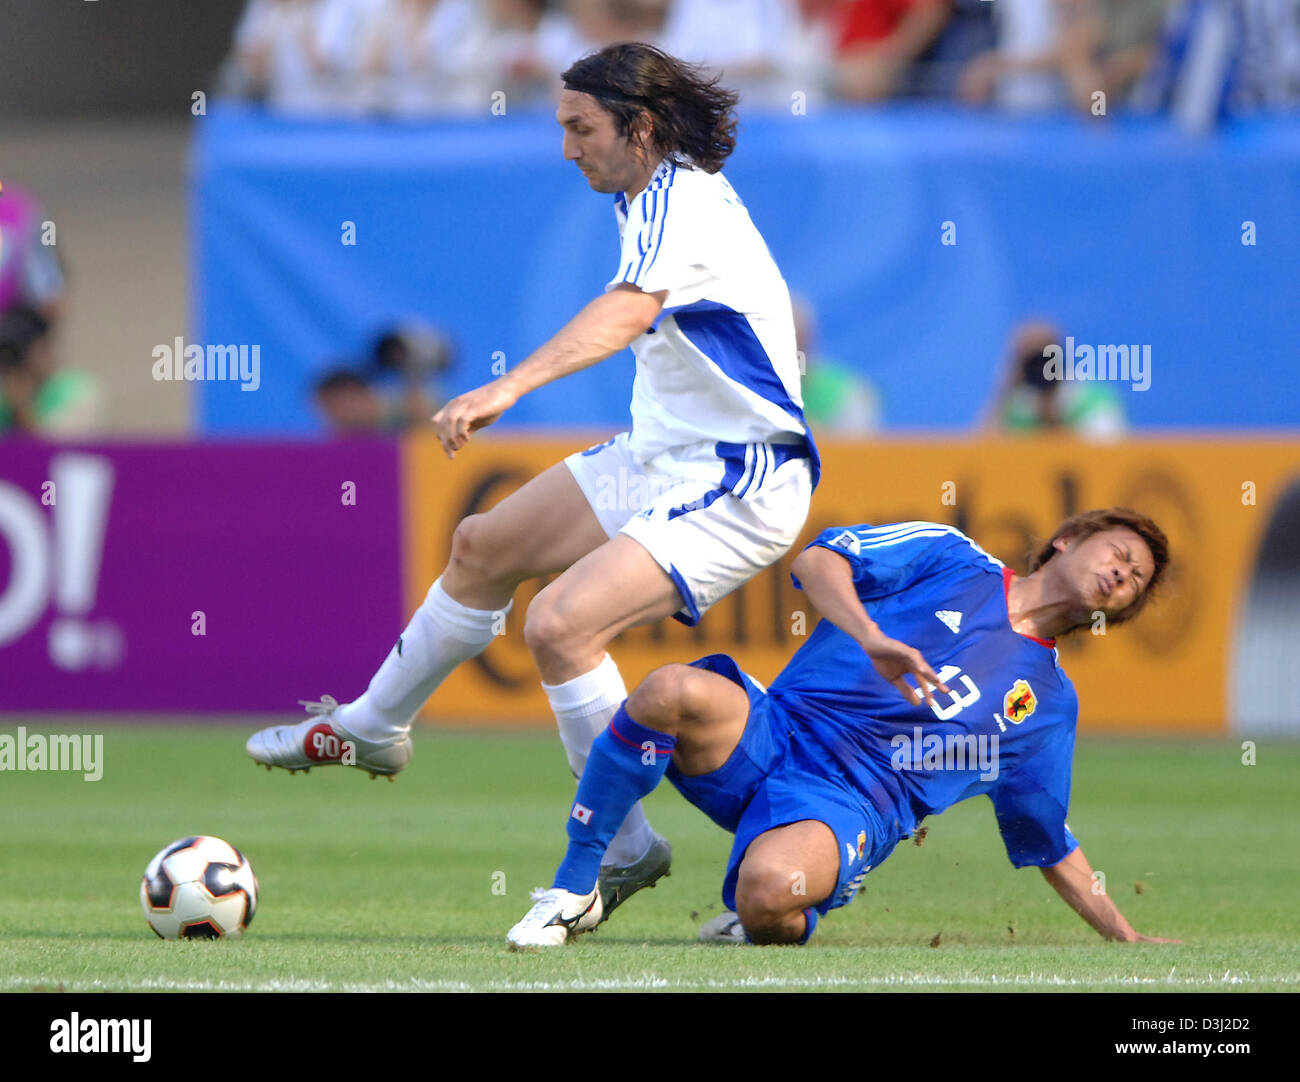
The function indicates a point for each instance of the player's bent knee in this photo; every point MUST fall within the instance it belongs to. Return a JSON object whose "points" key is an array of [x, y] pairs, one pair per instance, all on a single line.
{"points": [[661, 697], [549, 628], [767, 896], [765, 926], [473, 553]]}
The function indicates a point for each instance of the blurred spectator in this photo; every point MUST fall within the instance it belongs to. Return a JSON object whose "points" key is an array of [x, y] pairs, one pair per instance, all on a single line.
{"points": [[388, 55], [36, 396], [1050, 53], [530, 42], [968, 32], [278, 57], [30, 272], [643, 20], [425, 56], [607, 21], [836, 399], [1029, 402], [1119, 40], [395, 388], [1269, 51], [878, 40], [753, 43], [352, 406], [342, 31], [1023, 70], [1218, 57], [417, 57], [421, 57], [515, 58], [578, 27], [414, 353]]}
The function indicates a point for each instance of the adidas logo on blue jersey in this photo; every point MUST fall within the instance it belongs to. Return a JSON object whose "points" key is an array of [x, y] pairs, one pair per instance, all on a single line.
{"points": [[951, 620]]}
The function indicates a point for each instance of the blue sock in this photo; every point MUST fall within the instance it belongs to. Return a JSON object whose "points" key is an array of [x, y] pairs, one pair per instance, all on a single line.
{"points": [[626, 762]]}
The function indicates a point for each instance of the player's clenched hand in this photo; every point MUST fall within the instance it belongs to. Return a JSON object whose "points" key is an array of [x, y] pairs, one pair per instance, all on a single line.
{"points": [[470, 411], [894, 660]]}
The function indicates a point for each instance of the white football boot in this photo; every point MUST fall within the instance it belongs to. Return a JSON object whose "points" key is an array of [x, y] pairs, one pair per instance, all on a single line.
{"points": [[322, 741], [556, 917], [725, 929]]}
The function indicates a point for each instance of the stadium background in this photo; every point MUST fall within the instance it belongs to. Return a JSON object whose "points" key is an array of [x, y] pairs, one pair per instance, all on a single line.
{"points": [[211, 551], [183, 561], [919, 232]]}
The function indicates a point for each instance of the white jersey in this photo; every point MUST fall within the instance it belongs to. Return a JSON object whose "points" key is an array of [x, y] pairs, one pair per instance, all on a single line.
{"points": [[720, 362]]}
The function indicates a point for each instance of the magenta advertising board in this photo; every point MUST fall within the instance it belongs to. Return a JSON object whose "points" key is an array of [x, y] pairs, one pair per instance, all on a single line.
{"points": [[196, 578]]}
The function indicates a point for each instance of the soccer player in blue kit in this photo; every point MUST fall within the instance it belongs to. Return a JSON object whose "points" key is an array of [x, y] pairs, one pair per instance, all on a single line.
{"points": [[822, 774]]}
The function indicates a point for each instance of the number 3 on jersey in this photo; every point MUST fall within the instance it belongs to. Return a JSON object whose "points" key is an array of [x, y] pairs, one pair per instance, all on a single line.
{"points": [[959, 701]]}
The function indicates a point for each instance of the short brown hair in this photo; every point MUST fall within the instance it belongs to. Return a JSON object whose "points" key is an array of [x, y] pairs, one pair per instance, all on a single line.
{"points": [[1087, 523]]}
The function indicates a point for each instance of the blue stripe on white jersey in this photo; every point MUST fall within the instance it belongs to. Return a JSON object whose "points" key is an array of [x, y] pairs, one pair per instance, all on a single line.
{"points": [[719, 364], [751, 464], [762, 450], [726, 340], [647, 231], [733, 457], [663, 217], [651, 230]]}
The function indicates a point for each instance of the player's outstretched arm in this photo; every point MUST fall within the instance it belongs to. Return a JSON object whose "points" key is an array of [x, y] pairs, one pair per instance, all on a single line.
{"points": [[827, 580], [1073, 881], [611, 322]]}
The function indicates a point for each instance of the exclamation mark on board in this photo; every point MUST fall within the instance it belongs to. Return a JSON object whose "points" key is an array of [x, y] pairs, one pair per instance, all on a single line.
{"points": [[83, 487]]}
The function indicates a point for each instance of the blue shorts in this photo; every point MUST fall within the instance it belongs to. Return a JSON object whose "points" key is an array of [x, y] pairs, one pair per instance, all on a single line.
{"points": [[776, 777]]}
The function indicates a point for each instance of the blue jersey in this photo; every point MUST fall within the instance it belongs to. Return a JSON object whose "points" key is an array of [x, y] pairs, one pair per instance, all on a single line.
{"points": [[1006, 726]]}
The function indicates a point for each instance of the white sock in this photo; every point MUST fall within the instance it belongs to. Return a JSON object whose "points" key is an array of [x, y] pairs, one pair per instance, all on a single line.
{"points": [[441, 635], [584, 707]]}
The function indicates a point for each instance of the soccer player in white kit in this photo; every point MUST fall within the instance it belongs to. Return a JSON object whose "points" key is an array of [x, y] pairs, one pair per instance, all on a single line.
{"points": [[718, 445]]}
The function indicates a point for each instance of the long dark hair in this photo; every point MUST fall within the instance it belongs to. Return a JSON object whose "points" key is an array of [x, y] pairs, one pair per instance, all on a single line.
{"points": [[694, 118]]}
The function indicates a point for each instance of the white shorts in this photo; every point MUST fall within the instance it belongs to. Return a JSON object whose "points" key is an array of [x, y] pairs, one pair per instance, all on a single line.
{"points": [[713, 515]]}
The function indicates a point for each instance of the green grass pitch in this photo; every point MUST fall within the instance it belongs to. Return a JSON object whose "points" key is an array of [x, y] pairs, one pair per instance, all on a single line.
{"points": [[408, 886]]}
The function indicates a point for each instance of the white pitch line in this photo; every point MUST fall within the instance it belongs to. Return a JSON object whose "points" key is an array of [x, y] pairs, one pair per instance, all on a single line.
{"points": [[645, 983]]}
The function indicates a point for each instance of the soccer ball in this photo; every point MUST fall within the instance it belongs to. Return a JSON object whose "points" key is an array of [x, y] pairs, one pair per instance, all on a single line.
{"points": [[198, 888]]}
